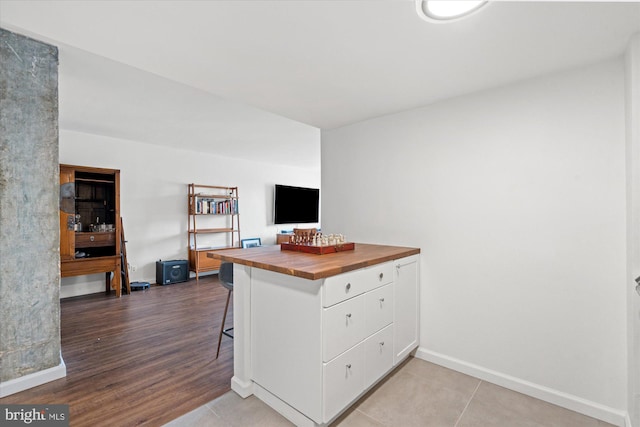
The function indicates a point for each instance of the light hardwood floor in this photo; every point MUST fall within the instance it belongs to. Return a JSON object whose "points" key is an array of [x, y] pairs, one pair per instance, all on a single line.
{"points": [[140, 360]]}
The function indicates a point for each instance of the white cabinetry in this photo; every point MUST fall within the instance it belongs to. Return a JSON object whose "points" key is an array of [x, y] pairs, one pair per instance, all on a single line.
{"points": [[343, 326], [317, 345], [379, 351], [407, 313], [343, 380]]}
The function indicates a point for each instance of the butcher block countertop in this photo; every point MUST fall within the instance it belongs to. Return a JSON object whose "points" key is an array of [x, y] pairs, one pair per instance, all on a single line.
{"points": [[313, 266]]}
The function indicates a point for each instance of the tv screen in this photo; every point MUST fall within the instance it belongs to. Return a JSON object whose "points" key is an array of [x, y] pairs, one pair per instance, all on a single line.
{"points": [[295, 205]]}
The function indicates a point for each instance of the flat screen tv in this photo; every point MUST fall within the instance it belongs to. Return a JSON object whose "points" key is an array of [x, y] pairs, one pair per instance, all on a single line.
{"points": [[295, 205]]}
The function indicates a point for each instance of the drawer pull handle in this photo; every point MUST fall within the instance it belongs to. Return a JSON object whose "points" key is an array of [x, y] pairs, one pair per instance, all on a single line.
{"points": [[381, 343], [348, 365], [349, 315], [348, 287], [92, 238], [381, 299], [381, 276]]}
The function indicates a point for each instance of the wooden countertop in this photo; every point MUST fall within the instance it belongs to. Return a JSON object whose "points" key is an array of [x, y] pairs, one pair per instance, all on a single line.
{"points": [[312, 266]]}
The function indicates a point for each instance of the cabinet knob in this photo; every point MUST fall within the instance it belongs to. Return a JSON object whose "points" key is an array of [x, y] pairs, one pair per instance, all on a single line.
{"points": [[348, 365], [349, 315], [381, 343], [381, 299], [92, 238], [381, 276], [348, 287]]}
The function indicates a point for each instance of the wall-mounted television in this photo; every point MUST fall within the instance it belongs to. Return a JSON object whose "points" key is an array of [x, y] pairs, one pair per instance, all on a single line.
{"points": [[295, 205]]}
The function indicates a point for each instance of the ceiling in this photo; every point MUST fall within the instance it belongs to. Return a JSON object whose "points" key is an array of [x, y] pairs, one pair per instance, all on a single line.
{"points": [[322, 63]]}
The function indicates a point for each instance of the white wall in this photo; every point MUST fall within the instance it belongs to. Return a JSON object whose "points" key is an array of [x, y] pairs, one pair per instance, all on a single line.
{"points": [[632, 63], [153, 187], [516, 197]]}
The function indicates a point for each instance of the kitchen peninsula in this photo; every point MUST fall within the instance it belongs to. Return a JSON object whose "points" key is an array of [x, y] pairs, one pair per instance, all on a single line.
{"points": [[312, 333]]}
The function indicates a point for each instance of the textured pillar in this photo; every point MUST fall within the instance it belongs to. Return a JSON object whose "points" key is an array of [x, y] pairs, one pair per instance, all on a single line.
{"points": [[29, 222]]}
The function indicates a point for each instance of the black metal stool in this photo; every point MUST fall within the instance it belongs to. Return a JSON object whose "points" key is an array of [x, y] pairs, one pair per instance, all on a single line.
{"points": [[225, 274]]}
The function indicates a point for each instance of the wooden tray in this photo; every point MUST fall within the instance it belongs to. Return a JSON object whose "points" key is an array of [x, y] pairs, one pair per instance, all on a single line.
{"points": [[319, 250]]}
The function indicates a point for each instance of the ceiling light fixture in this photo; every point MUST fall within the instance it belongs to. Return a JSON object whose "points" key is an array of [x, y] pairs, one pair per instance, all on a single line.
{"points": [[447, 10]]}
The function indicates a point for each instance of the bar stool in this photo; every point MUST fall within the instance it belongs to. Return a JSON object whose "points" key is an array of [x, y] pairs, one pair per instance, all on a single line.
{"points": [[225, 274]]}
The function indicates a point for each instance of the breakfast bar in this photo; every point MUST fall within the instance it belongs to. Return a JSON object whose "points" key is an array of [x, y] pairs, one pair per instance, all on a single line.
{"points": [[313, 333]]}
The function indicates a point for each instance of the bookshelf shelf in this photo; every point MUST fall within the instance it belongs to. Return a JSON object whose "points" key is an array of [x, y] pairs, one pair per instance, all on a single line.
{"points": [[214, 230]]}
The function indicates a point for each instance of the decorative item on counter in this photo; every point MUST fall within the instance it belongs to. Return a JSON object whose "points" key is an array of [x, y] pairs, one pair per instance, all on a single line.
{"points": [[311, 241], [78, 225], [101, 228]]}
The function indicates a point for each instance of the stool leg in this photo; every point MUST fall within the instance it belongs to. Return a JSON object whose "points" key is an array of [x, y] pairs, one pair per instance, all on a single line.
{"points": [[226, 307]]}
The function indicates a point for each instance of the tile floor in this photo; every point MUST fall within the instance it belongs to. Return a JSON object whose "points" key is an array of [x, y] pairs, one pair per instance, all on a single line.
{"points": [[418, 393]]}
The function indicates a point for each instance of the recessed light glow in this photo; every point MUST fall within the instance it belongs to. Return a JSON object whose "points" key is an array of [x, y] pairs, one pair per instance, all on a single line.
{"points": [[447, 10]]}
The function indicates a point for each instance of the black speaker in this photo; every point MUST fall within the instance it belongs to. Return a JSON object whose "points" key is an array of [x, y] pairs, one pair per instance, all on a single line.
{"points": [[168, 272]]}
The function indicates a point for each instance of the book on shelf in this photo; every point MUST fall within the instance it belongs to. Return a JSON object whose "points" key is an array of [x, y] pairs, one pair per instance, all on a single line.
{"points": [[213, 206]]}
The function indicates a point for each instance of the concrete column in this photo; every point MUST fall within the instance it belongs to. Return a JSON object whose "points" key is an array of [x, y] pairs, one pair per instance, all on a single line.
{"points": [[29, 222]]}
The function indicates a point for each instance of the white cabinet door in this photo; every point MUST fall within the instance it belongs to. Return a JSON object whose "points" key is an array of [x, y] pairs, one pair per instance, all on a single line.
{"points": [[378, 275], [406, 300], [378, 305], [344, 286], [343, 381], [343, 326], [378, 355]]}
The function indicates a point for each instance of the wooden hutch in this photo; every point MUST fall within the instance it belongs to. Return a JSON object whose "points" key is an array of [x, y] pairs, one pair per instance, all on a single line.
{"points": [[90, 224]]}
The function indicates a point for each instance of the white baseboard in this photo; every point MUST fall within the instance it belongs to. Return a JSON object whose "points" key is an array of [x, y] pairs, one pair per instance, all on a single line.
{"points": [[82, 285], [282, 408], [243, 388], [32, 380], [564, 400]]}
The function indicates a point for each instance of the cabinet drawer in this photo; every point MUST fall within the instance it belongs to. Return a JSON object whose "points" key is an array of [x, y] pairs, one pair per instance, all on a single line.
{"points": [[343, 326], [378, 275], [343, 381], [91, 240], [344, 286], [204, 262], [378, 309], [378, 355]]}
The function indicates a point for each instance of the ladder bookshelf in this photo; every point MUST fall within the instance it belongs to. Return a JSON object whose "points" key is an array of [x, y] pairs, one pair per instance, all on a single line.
{"points": [[214, 224]]}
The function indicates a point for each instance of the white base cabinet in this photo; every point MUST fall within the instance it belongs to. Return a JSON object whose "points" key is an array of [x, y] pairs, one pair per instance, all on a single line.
{"points": [[406, 318], [317, 345]]}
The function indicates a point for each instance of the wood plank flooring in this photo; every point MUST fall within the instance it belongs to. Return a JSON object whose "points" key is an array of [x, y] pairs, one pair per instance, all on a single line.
{"points": [[142, 359]]}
